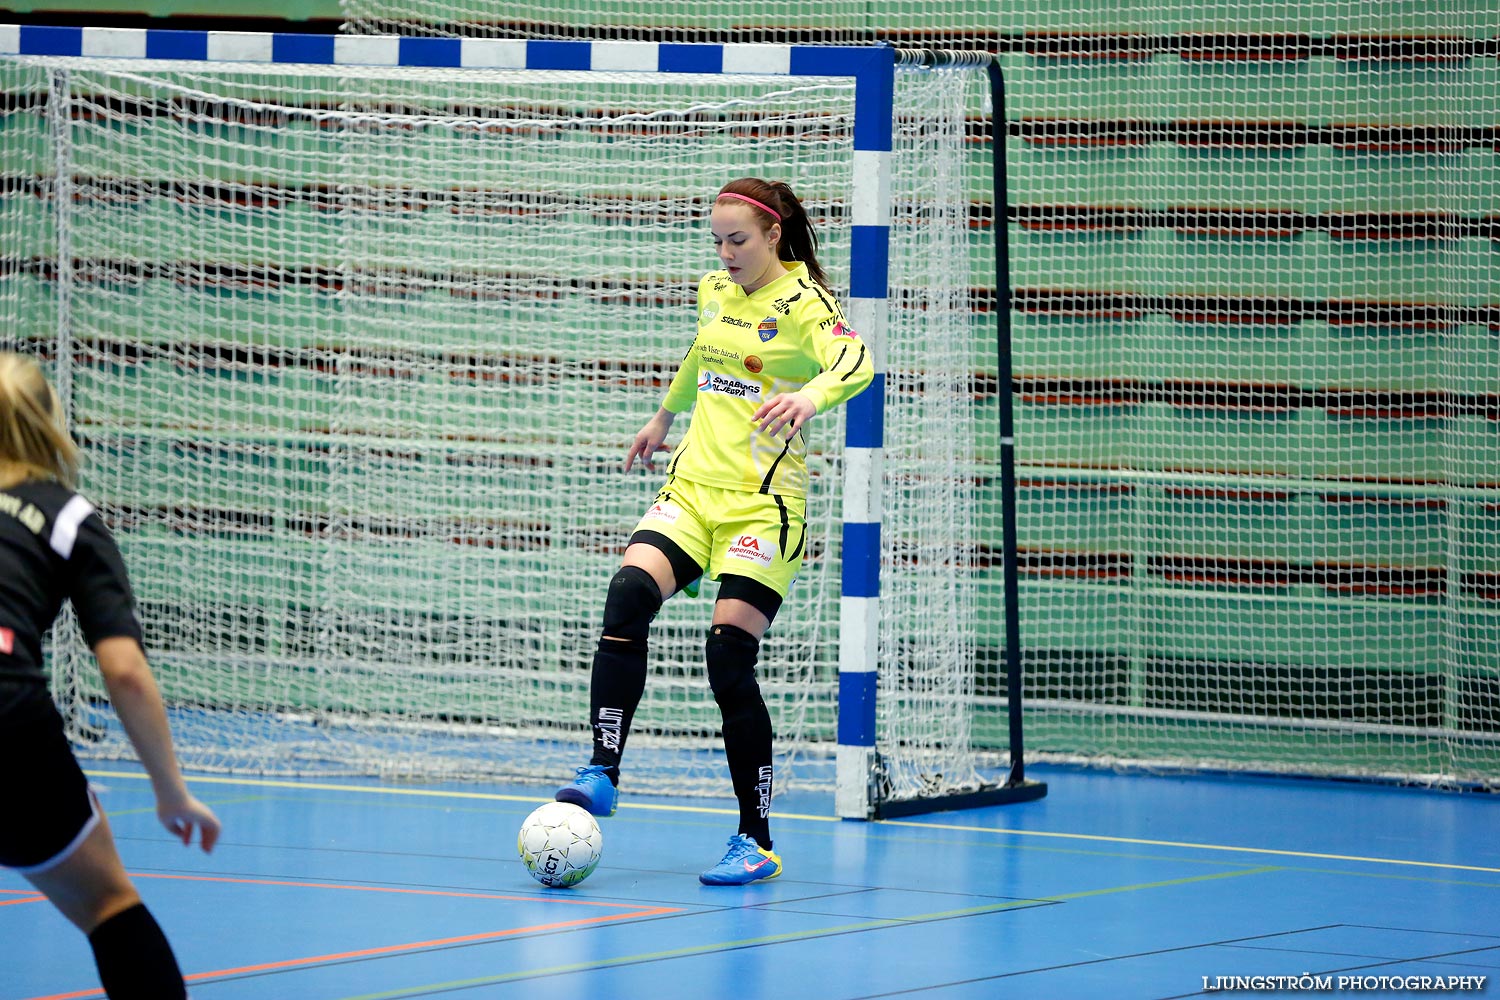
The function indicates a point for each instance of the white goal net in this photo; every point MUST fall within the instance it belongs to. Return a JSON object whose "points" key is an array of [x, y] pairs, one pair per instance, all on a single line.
{"points": [[1254, 256], [355, 352]]}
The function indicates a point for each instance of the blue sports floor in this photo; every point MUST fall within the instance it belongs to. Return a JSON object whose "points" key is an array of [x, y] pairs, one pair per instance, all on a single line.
{"points": [[1114, 886]]}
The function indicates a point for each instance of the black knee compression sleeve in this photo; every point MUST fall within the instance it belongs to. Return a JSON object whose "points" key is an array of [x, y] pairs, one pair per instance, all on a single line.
{"points": [[731, 653], [633, 601], [135, 961], [619, 675]]}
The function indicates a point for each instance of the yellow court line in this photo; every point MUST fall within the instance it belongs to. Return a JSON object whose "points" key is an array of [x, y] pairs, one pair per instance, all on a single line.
{"points": [[1204, 847], [955, 827], [435, 793], [1186, 880]]}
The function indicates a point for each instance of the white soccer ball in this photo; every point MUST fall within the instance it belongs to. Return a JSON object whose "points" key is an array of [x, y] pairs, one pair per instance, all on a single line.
{"points": [[560, 844]]}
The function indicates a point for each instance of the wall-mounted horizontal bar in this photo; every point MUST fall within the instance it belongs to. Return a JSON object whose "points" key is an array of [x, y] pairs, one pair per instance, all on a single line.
{"points": [[1266, 398], [1253, 222], [1251, 309], [1233, 134]]}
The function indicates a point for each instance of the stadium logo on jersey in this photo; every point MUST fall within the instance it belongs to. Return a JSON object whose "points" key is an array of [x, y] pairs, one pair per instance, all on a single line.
{"points": [[743, 324], [751, 549], [707, 315], [726, 386], [753, 364], [7, 641], [767, 328], [840, 330]]}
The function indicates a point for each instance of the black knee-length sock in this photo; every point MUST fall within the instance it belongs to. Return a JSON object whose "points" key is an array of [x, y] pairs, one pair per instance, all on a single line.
{"points": [[134, 959], [616, 686], [732, 653]]}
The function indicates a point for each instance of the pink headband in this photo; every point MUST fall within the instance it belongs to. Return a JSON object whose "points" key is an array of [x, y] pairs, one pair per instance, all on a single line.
{"points": [[751, 201]]}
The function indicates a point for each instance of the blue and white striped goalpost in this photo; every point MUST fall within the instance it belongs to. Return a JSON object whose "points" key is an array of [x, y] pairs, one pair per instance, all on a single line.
{"points": [[872, 69]]}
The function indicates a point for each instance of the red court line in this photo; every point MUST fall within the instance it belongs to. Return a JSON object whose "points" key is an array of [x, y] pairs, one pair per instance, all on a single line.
{"points": [[393, 948], [388, 889], [26, 896]]}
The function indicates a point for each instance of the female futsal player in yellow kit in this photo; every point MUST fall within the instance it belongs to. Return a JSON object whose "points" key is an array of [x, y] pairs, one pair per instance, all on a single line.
{"points": [[773, 350]]}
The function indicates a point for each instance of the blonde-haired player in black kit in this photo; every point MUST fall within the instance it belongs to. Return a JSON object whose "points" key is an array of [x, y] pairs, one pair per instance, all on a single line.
{"points": [[773, 350], [54, 547]]}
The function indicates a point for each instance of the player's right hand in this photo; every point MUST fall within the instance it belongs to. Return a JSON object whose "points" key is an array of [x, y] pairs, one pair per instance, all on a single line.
{"points": [[182, 815], [649, 440]]}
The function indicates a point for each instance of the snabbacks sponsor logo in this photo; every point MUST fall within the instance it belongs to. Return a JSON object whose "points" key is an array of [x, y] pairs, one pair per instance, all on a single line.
{"points": [[726, 386], [757, 550]]}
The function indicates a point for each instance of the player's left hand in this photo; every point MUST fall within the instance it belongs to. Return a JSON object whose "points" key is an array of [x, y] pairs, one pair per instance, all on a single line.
{"points": [[789, 411]]}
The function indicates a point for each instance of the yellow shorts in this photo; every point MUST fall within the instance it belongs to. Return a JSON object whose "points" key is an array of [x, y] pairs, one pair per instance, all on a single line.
{"points": [[756, 535]]}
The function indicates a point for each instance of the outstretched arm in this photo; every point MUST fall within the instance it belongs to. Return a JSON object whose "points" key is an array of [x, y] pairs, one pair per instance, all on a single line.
{"points": [[650, 439], [137, 701]]}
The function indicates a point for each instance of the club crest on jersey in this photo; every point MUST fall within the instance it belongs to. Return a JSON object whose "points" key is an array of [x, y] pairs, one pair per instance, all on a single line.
{"points": [[751, 549], [767, 329], [723, 385]]}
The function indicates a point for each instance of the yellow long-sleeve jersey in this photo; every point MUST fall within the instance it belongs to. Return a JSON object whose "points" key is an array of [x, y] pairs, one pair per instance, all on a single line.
{"points": [[789, 335]]}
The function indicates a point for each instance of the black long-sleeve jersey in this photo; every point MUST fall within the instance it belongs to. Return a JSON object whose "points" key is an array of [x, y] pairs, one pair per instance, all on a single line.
{"points": [[55, 547]]}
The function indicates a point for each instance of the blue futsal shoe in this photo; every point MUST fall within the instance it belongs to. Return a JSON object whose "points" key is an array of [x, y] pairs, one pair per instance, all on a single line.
{"points": [[592, 790], [745, 862]]}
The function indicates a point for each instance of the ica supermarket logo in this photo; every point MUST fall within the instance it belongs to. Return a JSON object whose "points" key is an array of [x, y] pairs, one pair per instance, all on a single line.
{"points": [[751, 549], [707, 314]]}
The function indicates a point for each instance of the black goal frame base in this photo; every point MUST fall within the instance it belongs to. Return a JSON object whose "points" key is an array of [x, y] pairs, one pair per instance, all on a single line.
{"points": [[986, 795]]}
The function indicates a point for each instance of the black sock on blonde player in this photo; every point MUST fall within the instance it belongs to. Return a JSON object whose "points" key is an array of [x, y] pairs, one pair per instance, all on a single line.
{"points": [[134, 959]]}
